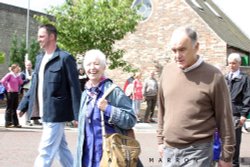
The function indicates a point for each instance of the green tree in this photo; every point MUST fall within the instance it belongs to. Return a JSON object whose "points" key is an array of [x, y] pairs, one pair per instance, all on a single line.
{"points": [[34, 49], [2, 57], [89, 24], [18, 50]]}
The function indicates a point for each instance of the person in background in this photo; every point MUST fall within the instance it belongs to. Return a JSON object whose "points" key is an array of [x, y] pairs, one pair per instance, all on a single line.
{"points": [[12, 81], [128, 86], [54, 96], [82, 78], [137, 96], [26, 76], [239, 86], [118, 112], [150, 90], [193, 101]]}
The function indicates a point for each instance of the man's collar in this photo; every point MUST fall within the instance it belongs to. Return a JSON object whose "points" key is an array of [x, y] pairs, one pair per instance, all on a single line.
{"points": [[236, 73], [195, 65]]}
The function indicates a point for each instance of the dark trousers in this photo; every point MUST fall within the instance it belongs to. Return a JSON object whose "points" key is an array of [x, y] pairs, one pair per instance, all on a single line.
{"points": [[236, 158], [10, 113], [151, 103]]}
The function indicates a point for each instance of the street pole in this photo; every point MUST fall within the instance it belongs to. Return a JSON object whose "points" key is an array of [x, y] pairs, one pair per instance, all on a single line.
{"points": [[27, 27]]}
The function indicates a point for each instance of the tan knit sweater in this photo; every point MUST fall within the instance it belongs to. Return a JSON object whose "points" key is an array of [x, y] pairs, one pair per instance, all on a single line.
{"points": [[192, 105]]}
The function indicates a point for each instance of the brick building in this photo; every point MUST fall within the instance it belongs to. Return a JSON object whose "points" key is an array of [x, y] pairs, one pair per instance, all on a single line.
{"points": [[147, 48]]}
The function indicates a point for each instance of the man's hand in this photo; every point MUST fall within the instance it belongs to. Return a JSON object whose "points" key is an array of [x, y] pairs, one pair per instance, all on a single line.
{"points": [[224, 164], [20, 113], [75, 123], [242, 120], [161, 149]]}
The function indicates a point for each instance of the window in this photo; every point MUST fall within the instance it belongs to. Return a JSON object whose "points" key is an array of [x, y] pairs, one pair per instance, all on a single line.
{"points": [[144, 8], [244, 60]]}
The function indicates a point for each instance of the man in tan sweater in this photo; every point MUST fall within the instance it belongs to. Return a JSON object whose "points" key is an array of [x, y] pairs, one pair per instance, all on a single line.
{"points": [[193, 101]]}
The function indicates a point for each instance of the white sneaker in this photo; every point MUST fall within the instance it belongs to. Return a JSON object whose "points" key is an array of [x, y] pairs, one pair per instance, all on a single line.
{"points": [[244, 130], [29, 123]]}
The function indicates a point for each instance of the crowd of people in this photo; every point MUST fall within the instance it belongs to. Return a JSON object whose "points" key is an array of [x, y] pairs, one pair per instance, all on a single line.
{"points": [[194, 99]]}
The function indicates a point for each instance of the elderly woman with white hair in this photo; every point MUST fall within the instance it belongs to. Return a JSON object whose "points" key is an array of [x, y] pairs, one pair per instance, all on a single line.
{"points": [[118, 112], [239, 86]]}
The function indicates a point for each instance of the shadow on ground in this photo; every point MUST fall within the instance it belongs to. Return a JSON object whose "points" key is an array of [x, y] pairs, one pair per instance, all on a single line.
{"points": [[245, 161]]}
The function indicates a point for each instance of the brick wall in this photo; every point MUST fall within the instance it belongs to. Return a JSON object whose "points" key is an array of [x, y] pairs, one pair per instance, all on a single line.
{"points": [[148, 46]]}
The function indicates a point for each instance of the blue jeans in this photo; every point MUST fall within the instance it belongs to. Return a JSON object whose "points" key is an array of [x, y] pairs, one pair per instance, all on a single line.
{"points": [[136, 105], [53, 143], [198, 155]]}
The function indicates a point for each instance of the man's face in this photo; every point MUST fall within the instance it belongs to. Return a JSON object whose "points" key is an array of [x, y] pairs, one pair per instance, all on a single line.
{"points": [[233, 65], [28, 66], [185, 53], [43, 38], [152, 74]]}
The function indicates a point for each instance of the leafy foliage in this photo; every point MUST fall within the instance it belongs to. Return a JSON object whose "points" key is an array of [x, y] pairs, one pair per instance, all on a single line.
{"points": [[33, 50], [18, 51], [2, 57], [88, 24]]}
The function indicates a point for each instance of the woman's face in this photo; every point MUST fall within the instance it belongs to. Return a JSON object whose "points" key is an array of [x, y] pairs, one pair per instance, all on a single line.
{"points": [[94, 69], [16, 70]]}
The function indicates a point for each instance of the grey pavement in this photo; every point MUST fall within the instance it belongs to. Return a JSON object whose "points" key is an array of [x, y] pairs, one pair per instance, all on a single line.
{"points": [[18, 146]]}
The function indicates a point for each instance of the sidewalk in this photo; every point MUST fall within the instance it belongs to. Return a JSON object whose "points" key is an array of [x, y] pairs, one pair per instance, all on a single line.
{"points": [[24, 141], [2, 111], [139, 127]]}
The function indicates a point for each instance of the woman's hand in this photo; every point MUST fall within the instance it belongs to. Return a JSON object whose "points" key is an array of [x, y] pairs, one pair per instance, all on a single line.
{"points": [[102, 104]]}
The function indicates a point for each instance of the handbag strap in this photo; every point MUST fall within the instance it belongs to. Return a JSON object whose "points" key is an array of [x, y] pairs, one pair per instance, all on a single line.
{"points": [[106, 93]]}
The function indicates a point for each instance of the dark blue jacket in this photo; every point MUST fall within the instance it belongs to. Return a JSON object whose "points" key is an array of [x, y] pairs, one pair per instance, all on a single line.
{"points": [[61, 89], [239, 89]]}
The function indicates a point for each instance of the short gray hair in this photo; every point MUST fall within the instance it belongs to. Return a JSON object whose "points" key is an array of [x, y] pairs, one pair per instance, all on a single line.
{"points": [[96, 53], [234, 57], [191, 33]]}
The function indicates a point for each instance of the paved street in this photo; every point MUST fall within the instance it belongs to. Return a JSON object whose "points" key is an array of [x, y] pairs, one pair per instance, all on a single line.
{"points": [[18, 147]]}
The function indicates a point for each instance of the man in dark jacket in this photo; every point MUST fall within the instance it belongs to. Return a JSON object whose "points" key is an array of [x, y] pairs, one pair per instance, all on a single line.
{"points": [[239, 86], [54, 96]]}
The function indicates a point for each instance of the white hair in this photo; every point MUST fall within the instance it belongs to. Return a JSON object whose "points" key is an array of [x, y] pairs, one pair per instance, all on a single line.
{"points": [[234, 57], [96, 53]]}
